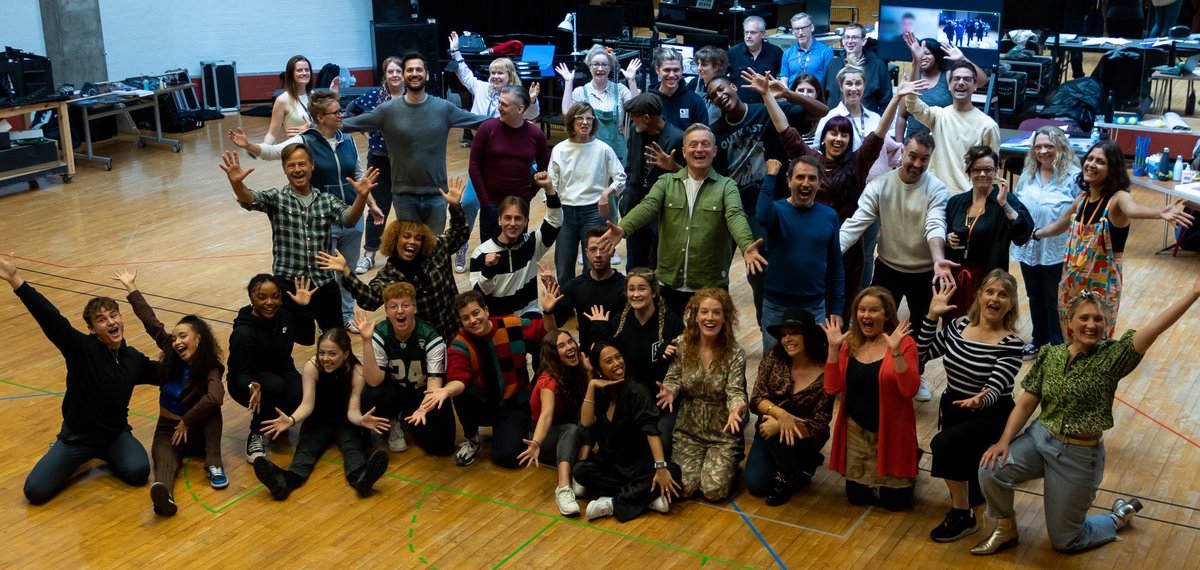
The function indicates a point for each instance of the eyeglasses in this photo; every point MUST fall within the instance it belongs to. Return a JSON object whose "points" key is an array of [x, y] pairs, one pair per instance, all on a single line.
{"points": [[985, 171], [586, 119], [393, 307], [599, 65], [339, 112], [802, 28]]}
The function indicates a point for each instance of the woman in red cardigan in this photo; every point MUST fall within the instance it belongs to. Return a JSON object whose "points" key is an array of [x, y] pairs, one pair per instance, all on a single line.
{"points": [[874, 367]]}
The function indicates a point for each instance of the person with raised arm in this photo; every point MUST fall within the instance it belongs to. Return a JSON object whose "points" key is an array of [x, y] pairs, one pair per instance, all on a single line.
{"points": [[606, 97], [956, 127]]}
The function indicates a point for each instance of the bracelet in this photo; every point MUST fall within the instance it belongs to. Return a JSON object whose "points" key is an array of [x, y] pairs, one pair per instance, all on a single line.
{"points": [[1033, 236], [769, 408], [592, 402], [293, 418], [897, 354]]}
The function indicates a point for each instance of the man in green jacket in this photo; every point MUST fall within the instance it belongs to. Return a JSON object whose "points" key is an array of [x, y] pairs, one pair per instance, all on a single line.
{"points": [[700, 218]]}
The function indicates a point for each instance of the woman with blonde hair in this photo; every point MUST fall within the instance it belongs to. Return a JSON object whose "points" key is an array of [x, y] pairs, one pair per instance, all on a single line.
{"points": [[606, 97], [708, 381], [982, 355], [874, 367]]}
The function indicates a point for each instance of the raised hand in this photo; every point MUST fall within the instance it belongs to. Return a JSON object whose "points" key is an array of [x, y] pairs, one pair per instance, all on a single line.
{"points": [[755, 262], [1002, 194], [336, 85], [774, 166], [952, 52], [546, 273], [566, 73], [333, 261], [598, 313], [542, 179], [665, 397], [179, 436], [529, 457], [375, 423], [127, 278], [974, 402], [659, 157], [917, 48], [363, 185], [453, 41], [549, 297], [238, 137], [535, 90], [734, 423], [757, 81], [455, 187], [893, 340], [304, 291], [255, 398], [911, 88], [272, 428], [833, 333], [940, 304], [365, 326], [630, 71], [232, 165]]}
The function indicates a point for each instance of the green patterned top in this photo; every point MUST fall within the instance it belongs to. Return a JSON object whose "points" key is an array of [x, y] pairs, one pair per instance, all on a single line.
{"points": [[1077, 397]]}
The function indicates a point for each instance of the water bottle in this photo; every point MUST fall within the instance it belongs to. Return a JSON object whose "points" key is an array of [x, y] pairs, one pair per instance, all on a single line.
{"points": [[1177, 173], [1164, 165], [1095, 135]]}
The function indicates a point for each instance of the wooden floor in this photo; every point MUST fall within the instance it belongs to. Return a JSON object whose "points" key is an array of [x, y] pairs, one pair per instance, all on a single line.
{"points": [[173, 218]]}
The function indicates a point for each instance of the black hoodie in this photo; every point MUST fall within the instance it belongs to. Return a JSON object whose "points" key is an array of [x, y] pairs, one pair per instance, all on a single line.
{"points": [[261, 345]]}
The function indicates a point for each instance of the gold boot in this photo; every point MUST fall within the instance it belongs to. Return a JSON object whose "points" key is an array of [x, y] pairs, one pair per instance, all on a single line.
{"points": [[1004, 536]]}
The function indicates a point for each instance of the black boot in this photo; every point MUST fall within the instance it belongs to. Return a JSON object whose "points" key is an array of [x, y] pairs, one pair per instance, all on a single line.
{"points": [[781, 491], [376, 466], [271, 476]]}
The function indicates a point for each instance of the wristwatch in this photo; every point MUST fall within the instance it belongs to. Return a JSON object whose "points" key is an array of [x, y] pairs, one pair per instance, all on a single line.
{"points": [[660, 464]]}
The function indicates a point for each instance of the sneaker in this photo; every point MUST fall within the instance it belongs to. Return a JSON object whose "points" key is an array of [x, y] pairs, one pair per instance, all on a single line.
{"points": [[579, 490], [466, 451], [601, 507], [923, 393], [365, 263], [396, 440], [660, 504], [351, 327], [164, 503], [1029, 352], [460, 260], [256, 446], [567, 506], [956, 525], [617, 259], [271, 476], [376, 466], [216, 477]]}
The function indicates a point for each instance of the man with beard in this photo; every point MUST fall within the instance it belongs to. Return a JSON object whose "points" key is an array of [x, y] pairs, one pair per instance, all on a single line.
{"points": [[700, 220], [807, 274], [680, 106], [653, 145], [599, 286], [301, 225], [877, 83], [955, 128], [910, 205], [415, 127], [101, 373]]}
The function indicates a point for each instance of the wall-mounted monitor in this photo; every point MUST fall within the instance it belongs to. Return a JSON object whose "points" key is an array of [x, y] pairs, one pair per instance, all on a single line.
{"points": [[971, 25]]}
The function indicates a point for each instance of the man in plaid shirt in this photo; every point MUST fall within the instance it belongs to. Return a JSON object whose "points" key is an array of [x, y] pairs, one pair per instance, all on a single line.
{"points": [[300, 227]]}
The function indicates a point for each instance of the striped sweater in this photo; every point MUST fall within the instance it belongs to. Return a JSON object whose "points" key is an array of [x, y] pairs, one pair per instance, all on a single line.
{"points": [[510, 286], [972, 365]]}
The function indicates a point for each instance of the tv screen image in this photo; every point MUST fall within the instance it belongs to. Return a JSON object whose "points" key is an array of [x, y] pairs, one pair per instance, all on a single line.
{"points": [[969, 29], [971, 25]]}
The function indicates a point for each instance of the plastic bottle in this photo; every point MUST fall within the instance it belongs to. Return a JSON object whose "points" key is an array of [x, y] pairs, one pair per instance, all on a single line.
{"points": [[344, 77], [1188, 174], [1177, 172], [1095, 135]]}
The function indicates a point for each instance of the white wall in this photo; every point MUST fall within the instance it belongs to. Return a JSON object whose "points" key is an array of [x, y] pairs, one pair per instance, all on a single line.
{"points": [[22, 28], [148, 36]]}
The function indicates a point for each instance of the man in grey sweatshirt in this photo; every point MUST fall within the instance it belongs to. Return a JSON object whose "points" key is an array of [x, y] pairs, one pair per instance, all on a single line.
{"points": [[415, 128]]}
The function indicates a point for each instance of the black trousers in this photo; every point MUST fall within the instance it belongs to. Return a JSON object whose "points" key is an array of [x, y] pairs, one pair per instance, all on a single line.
{"points": [[202, 440], [768, 456], [390, 400], [283, 392], [964, 438], [509, 421], [54, 470], [917, 288], [629, 486], [325, 308], [676, 300], [316, 435], [382, 192]]}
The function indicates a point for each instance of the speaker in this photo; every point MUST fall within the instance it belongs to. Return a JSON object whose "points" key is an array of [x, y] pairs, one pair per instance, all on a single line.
{"points": [[393, 11], [399, 39], [219, 82]]}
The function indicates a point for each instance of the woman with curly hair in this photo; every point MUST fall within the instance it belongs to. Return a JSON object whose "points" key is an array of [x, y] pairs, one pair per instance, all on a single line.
{"points": [[708, 380], [555, 403], [189, 401], [874, 367], [415, 256]]}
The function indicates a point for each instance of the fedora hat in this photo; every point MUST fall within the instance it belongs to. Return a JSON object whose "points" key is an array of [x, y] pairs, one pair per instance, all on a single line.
{"points": [[795, 317]]}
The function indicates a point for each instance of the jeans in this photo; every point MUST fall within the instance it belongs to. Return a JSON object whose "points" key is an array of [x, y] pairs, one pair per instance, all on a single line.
{"points": [[347, 241], [489, 222], [768, 456], [1165, 17], [870, 239], [382, 192], [773, 313], [470, 206], [1072, 474], [561, 445], [55, 469], [429, 209], [916, 287], [577, 220], [1041, 285]]}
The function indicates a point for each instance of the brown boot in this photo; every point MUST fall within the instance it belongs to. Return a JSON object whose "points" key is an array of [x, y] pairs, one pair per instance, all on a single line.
{"points": [[1004, 536]]}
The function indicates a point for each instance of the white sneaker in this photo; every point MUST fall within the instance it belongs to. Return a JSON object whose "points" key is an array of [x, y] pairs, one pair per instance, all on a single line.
{"points": [[616, 259], [602, 507], [660, 504], [565, 498], [396, 440], [466, 452], [460, 260], [579, 490], [351, 327], [365, 263], [923, 393]]}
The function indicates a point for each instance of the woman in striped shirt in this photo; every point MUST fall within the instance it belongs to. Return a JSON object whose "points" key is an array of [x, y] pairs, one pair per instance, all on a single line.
{"points": [[982, 355]]}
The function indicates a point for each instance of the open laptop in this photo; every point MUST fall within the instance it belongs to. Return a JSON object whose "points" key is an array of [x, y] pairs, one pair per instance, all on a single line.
{"points": [[543, 55]]}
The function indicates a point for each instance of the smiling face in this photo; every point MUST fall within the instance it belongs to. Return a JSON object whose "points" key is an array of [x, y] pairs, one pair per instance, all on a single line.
{"points": [[915, 162], [807, 89], [792, 340], [612, 364], [265, 300], [836, 142], [1087, 325], [698, 149], [639, 293], [927, 61], [852, 88], [402, 313], [301, 74], [982, 173], [497, 77], [723, 94], [669, 73], [710, 316], [568, 349], [184, 340], [409, 244], [512, 224], [600, 66], [962, 84], [474, 319], [108, 325], [415, 75], [871, 316], [1095, 168], [298, 167], [394, 74], [853, 41], [1044, 151], [803, 183], [510, 108], [995, 302], [330, 356]]}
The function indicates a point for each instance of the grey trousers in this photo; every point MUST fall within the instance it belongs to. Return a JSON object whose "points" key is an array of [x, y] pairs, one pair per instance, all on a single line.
{"points": [[1072, 475]]}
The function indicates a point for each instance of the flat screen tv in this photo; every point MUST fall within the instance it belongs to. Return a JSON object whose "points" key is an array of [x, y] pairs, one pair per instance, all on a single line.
{"points": [[971, 25]]}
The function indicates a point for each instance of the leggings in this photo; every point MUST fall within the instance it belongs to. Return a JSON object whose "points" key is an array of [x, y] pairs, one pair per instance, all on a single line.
{"points": [[202, 439], [55, 469], [283, 392]]}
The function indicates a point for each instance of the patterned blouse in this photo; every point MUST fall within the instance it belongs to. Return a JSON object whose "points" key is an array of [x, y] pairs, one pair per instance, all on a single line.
{"points": [[811, 405], [704, 398], [1077, 397]]}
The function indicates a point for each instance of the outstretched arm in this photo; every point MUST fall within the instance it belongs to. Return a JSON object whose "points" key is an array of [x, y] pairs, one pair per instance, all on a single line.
{"points": [[1145, 336]]}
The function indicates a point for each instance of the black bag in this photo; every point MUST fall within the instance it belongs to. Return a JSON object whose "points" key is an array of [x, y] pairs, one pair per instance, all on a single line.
{"points": [[1078, 101], [1188, 238]]}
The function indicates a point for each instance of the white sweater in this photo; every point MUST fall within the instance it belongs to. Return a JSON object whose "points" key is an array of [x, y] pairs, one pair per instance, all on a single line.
{"points": [[902, 209], [581, 171], [953, 133]]}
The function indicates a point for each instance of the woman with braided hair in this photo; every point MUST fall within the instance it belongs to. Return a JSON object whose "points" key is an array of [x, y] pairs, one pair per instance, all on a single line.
{"points": [[645, 331]]}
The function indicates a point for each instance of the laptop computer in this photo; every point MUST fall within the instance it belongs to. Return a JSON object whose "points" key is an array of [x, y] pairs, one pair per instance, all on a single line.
{"points": [[543, 55]]}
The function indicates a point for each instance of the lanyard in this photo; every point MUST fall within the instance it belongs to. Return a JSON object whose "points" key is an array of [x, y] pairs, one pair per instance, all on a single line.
{"points": [[972, 222]]}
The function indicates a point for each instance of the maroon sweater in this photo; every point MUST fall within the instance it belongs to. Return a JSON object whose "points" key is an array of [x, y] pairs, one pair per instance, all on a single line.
{"points": [[500, 160]]}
